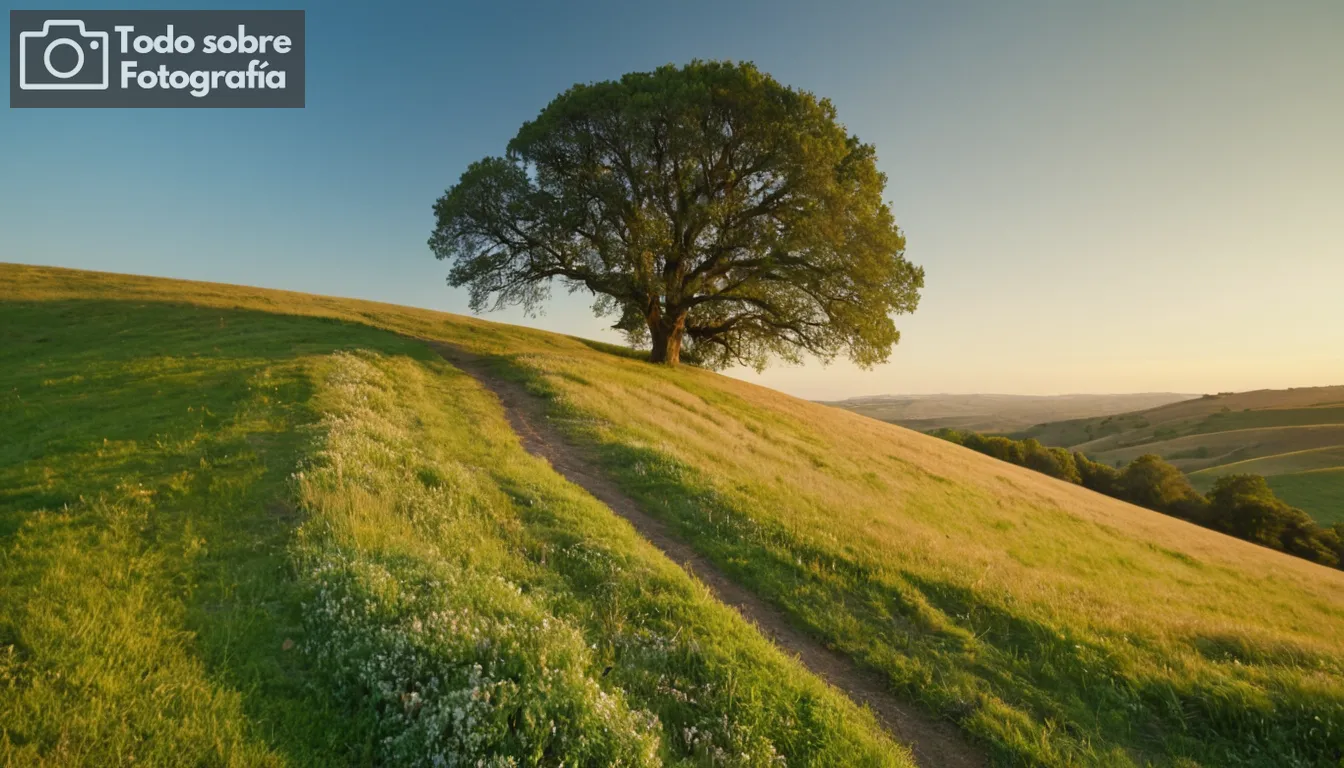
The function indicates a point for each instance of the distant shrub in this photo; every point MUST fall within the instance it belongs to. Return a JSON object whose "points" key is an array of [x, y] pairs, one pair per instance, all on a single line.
{"points": [[1056, 462], [1068, 469], [1002, 448], [1096, 476], [950, 435], [1153, 483], [1245, 506], [1305, 539]]}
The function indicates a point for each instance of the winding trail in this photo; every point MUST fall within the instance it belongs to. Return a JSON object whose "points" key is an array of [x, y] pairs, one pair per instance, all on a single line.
{"points": [[935, 743]]}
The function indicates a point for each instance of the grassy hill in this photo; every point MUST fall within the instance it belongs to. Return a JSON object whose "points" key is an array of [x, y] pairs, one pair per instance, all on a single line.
{"points": [[241, 526], [1294, 437], [997, 413]]}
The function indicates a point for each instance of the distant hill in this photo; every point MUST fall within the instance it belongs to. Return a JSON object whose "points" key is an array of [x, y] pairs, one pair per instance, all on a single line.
{"points": [[1294, 437], [997, 413]]}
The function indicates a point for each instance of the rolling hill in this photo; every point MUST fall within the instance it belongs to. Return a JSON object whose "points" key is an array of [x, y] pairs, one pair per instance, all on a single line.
{"points": [[1294, 437], [997, 413], [243, 526]]}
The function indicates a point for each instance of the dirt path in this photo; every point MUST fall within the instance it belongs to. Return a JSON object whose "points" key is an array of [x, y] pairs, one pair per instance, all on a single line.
{"points": [[935, 743]]}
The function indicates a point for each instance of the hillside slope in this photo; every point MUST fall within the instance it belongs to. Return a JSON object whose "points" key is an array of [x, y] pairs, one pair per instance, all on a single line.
{"points": [[1055, 626], [997, 413], [1294, 437], [231, 537]]}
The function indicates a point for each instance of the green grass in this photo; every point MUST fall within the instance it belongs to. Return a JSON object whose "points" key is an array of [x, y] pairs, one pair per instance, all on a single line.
{"points": [[1057, 627], [1224, 421], [171, 592], [1321, 490], [435, 544], [143, 603], [1201, 451], [1292, 462]]}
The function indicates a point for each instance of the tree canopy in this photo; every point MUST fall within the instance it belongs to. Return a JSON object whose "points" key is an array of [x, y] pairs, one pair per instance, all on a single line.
{"points": [[716, 213]]}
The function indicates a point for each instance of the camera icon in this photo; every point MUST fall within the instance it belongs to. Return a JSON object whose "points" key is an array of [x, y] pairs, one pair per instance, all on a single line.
{"points": [[63, 57]]}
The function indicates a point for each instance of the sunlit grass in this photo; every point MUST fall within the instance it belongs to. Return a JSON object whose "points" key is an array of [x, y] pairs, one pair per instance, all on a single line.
{"points": [[172, 593], [1057, 626], [144, 604], [454, 577]]}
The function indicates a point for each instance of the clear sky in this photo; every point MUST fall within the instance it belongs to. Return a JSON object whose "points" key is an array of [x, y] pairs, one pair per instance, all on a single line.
{"points": [[1115, 197]]}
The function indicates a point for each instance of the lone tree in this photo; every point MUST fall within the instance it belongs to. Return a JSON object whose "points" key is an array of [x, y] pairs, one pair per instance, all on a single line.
{"points": [[724, 217]]}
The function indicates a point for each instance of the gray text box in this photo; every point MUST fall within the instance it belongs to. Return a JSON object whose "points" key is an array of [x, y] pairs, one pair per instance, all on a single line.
{"points": [[130, 59]]}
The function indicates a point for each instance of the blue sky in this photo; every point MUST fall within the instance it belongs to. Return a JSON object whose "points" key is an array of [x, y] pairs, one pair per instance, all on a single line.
{"points": [[1106, 198]]}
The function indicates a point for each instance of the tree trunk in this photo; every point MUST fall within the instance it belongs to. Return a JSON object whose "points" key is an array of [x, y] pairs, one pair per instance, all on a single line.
{"points": [[666, 335]]}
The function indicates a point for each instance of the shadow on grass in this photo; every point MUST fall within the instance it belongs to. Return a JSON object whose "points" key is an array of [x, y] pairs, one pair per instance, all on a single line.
{"points": [[613, 349], [201, 410]]}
